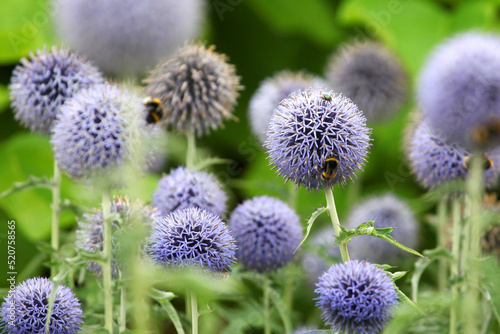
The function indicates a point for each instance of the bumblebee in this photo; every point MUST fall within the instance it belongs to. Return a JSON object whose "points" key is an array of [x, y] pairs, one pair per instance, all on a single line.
{"points": [[153, 109], [487, 164], [483, 133], [326, 96], [330, 168]]}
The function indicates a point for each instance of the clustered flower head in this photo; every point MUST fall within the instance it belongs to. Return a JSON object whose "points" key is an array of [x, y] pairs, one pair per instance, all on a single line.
{"points": [[30, 302], [183, 188], [197, 87], [267, 232], [315, 132], [126, 37], [270, 93], [387, 211], [459, 87], [90, 232], [371, 76], [356, 297], [435, 162], [41, 84], [192, 237]]}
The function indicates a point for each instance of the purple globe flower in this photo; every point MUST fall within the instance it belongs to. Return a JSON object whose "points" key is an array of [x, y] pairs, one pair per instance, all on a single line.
{"points": [[42, 83], [356, 297], [126, 37], [192, 237], [387, 211], [25, 309], [267, 232], [459, 87], [270, 93], [310, 130], [90, 232], [197, 87], [371, 76], [434, 162], [183, 188]]}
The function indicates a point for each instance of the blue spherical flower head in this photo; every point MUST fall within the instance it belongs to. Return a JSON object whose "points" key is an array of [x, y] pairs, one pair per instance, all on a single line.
{"points": [[183, 188], [192, 237], [126, 37], [317, 138], [30, 302], [270, 93], [435, 162], [267, 232], [42, 83], [387, 211], [90, 232], [459, 87], [356, 297]]}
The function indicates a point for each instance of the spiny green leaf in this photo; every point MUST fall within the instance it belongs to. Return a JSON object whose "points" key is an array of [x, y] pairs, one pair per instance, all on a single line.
{"points": [[164, 298], [32, 182], [310, 223], [407, 300]]}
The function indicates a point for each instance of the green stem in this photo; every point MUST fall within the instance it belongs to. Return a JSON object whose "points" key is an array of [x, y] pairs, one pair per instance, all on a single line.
{"points": [[267, 315], [191, 149], [335, 221], [123, 309], [456, 265], [56, 207], [289, 270], [442, 234], [194, 313], [106, 266]]}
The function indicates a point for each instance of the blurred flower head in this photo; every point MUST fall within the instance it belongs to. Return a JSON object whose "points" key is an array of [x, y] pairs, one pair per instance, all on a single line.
{"points": [[126, 37], [42, 83], [183, 188], [371, 76], [192, 237], [356, 297], [197, 87], [267, 232], [387, 211], [270, 93], [30, 302], [459, 86], [317, 138]]}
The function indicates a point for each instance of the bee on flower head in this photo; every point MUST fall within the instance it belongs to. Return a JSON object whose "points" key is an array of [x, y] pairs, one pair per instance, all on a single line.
{"points": [[486, 134], [330, 168], [153, 109], [487, 162]]}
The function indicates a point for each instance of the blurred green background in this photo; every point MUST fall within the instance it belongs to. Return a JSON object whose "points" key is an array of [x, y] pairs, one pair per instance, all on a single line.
{"points": [[260, 37]]}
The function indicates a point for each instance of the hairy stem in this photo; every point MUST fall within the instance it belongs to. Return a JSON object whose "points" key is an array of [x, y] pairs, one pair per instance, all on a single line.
{"points": [[106, 266], [267, 315], [56, 208], [191, 149], [442, 234], [194, 313], [335, 221]]}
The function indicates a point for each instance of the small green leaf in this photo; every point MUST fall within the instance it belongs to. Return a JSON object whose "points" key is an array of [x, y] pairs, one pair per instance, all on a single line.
{"points": [[422, 264], [32, 182], [398, 275], [407, 300], [164, 298], [310, 223]]}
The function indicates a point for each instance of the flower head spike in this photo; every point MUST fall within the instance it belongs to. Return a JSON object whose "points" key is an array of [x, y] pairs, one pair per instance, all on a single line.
{"points": [[459, 87], [356, 297], [197, 88], [267, 232], [435, 162], [317, 138], [126, 37], [192, 238], [371, 76], [90, 233], [387, 211], [183, 188], [25, 309], [42, 83], [270, 93]]}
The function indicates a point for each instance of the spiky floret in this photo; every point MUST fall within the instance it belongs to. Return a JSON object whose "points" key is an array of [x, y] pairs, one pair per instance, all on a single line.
{"points": [[356, 297], [42, 83], [311, 126], [197, 87], [270, 93], [371, 76], [30, 303]]}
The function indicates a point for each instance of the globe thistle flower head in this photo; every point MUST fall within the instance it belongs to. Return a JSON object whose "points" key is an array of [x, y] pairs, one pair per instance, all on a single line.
{"points": [[183, 188], [459, 86], [126, 37], [42, 83], [435, 162], [371, 76], [387, 211], [192, 237], [270, 93], [317, 138], [197, 87], [356, 297], [267, 232], [90, 232], [30, 300]]}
